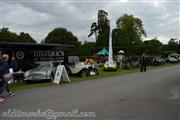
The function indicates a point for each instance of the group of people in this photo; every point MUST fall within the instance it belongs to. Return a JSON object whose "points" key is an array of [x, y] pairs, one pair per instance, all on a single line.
{"points": [[125, 62], [5, 76]]}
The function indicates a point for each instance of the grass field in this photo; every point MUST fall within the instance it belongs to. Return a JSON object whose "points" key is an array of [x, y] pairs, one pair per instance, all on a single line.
{"points": [[24, 85]]}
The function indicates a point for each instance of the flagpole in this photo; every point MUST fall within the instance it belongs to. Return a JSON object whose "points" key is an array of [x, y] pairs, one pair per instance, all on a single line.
{"points": [[110, 57]]}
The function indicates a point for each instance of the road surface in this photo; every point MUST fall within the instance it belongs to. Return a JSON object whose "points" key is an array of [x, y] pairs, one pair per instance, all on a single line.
{"points": [[154, 95]]}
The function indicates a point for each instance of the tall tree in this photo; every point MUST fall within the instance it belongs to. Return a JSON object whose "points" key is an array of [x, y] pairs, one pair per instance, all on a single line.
{"points": [[129, 31], [101, 29], [62, 36], [25, 37], [93, 30]]}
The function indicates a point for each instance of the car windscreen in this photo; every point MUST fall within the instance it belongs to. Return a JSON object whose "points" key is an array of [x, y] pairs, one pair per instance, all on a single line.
{"points": [[43, 67], [176, 57]]}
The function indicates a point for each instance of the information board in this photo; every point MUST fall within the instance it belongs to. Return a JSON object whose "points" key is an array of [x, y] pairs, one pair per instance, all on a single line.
{"points": [[61, 71]]}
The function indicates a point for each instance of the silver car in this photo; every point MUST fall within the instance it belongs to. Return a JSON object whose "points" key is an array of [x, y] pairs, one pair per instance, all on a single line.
{"points": [[44, 71]]}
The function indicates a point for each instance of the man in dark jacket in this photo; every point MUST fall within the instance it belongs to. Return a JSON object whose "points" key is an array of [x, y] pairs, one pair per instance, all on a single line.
{"points": [[143, 63], [14, 64]]}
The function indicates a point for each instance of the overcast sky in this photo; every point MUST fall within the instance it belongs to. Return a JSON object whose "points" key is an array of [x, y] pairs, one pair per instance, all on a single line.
{"points": [[161, 18]]}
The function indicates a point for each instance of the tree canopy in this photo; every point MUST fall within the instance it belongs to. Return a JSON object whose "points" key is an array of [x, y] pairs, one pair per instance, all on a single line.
{"points": [[25, 37], [7, 36], [62, 36], [174, 45], [153, 47], [129, 31]]}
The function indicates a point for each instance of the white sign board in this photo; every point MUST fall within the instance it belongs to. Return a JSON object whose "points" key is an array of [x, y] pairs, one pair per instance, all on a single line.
{"points": [[61, 71]]}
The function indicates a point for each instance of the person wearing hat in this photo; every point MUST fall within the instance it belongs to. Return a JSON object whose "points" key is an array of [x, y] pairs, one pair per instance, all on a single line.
{"points": [[120, 58]]}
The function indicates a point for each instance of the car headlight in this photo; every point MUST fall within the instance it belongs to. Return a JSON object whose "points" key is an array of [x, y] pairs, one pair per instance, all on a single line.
{"points": [[26, 73], [105, 65], [48, 73], [93, 66]]}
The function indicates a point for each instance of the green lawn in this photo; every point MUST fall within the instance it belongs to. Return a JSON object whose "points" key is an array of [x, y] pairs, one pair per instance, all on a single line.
{"points": [[23, 85]]}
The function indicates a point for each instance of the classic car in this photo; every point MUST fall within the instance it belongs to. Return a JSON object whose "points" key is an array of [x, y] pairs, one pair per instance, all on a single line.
{"points": [[75, 67], [43, 71]]}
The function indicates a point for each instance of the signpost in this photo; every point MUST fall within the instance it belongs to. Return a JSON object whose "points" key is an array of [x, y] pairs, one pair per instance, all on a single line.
{"points": [[61, 71]]}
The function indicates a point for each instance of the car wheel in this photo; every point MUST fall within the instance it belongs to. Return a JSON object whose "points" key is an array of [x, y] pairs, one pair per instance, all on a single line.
{"points": [[52, 77], [68, 71], [28, 81], [96, 71], [84, 73]]}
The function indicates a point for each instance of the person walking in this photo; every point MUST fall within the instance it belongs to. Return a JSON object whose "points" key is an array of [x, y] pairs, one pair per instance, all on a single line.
{"points": [[143, 63], [6, 75], [1, 98], [2, 85]]}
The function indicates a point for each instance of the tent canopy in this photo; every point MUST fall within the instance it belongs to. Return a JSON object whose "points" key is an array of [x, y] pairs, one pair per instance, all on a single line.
{"points": [[104, 51]]}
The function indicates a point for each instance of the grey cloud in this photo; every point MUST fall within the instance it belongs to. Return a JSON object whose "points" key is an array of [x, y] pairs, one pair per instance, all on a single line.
{"points": [[40, 17]]}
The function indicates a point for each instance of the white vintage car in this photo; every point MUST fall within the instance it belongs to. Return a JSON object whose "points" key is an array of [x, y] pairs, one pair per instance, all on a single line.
{"points": [[44, 71], [75, 67]]}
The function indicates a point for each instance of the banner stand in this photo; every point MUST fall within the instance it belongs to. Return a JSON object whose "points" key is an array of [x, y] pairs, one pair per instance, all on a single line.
{"points": [[61, 71]]}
